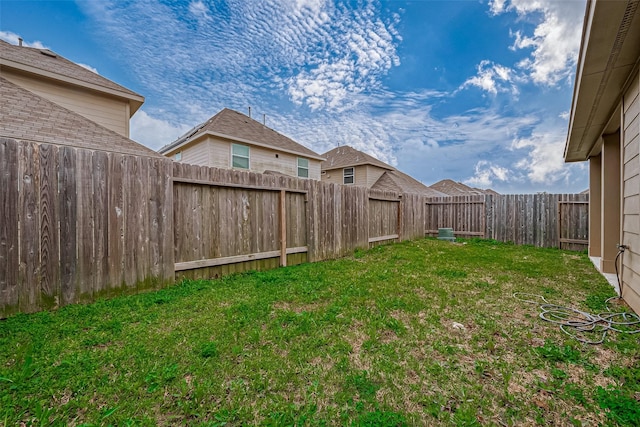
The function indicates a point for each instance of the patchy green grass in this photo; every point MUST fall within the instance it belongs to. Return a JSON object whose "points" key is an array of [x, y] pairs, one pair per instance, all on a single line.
{"points": [[367, 340]]}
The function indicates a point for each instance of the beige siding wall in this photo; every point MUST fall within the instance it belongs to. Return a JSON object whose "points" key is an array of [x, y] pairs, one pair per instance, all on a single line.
{"points": [[111, 113], [373, 175], [216, 152], [196, 154], [336, 176], [631, 194]]}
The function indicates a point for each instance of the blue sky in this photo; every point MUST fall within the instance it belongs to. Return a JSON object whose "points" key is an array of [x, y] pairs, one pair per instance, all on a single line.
{"points": [[475, 91]]}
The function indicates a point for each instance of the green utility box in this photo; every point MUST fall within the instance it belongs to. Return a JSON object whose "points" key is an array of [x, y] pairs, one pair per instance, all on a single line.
{"points": [[446, 234]]}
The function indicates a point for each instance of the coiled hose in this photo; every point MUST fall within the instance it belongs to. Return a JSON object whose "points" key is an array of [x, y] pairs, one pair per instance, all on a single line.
{"points": [[582, 325]]}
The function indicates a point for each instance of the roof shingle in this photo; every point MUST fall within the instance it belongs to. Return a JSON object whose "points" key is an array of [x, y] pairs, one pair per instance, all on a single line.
{"points": [[402, 183], [345, 156], [236, 125], [50, 62], [452, 188]]}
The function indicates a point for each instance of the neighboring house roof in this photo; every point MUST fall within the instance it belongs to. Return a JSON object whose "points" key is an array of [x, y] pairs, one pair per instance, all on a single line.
{"points": [[608, 54], [452, 188], [346, 157], [27, 116], [230, 124], [399, 182], [46, 63], [490, 192], [391, 180]]}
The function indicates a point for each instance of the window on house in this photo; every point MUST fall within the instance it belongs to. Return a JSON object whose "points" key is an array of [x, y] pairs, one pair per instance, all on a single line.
{"points": [[348, 175], [239, 156], [178, 156], [303, 167]]}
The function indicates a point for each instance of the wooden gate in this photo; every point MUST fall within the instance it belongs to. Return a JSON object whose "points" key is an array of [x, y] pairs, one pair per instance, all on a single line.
{"points": [[573, 223]]}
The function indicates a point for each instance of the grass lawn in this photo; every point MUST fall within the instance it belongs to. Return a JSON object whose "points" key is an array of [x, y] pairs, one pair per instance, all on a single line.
{"points": [[365, 340]]}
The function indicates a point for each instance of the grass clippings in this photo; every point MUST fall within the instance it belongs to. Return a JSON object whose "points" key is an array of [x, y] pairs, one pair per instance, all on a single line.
{"points": [[417, 333]]}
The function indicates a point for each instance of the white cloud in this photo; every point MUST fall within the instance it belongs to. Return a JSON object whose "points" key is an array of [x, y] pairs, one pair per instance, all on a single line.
{"points": [[486, 173], [319, 54], [200, 11], [88, 67], [358, 52], [555, 40], [496, 6], [12, 38], [544, 163], [154, 133], [493, 78]]}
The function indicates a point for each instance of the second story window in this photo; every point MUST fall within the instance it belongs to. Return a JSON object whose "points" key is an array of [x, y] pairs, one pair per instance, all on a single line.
{"points": [[239, 156], [303, 167], [348, 176], [178, 156]]}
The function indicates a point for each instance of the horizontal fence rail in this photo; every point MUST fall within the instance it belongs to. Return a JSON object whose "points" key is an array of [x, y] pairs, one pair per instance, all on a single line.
{"points": [[77, 224]]}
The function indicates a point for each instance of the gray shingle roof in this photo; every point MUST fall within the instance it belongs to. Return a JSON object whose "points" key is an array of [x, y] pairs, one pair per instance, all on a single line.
{"points": [[345, 156], [236, 125], [400, 182], [27, 116], [452, 188], [51, 63]]}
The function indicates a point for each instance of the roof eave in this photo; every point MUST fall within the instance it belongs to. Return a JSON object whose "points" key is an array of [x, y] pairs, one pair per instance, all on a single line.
{"points": [[597, 92], [351, 165]]}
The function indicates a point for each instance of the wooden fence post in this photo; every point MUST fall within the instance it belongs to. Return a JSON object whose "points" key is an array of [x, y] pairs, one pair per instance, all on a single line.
{"points": [[400, 225], [283, 228]]}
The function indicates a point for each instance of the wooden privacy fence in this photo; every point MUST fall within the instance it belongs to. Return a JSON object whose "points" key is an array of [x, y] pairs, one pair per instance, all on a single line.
{"points": [[78, 224], [466, 215], [228, 221], [543, 220]]}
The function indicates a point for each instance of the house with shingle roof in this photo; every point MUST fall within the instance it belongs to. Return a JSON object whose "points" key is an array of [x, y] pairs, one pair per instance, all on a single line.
{"points": [[26, 116], [348, 166], [232, 140], [71, 86], [452, 188]]}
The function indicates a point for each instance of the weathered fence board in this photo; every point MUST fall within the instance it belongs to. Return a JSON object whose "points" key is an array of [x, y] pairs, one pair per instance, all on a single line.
{"points": [[9, 256], [49, 233], [29, 212]]}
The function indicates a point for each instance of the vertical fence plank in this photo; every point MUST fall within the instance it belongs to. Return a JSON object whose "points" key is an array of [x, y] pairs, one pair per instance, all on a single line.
{"points": [[9, 257], [68, 225], [101, 220], [85, 207], [29, 226], [49, 233], [116, 214]]}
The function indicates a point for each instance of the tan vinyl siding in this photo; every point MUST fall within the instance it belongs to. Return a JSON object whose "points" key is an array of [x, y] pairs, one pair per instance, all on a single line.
{"points": [[196, 154], [332, 176], [631, 193], [109, 112], [360, 175], [216, 152], [336, 176], [373, 175]]}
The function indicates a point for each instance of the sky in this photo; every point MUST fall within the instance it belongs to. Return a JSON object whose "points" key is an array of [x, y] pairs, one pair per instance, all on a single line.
{"points": [[478, 91]]}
